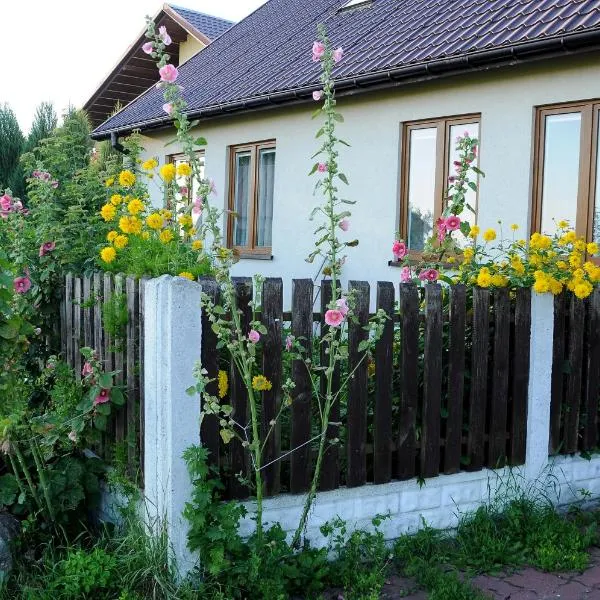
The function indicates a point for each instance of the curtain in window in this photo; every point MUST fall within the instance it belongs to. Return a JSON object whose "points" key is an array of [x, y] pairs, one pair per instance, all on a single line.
{"points": [[241, 198], [266, 181]]}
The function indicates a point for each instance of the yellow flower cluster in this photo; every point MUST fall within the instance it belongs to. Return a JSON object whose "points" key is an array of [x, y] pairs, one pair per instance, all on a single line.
{"points": [[126, 179], [223, 383], [261, 384]]}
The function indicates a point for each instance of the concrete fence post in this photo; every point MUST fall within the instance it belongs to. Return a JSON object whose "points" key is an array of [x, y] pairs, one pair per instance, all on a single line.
{"points": [[540, 385], [172, 340]]}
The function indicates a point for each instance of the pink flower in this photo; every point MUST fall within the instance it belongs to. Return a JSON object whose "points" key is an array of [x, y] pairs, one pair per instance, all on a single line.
{"points": [[168, 108], [18, 205], [441, 229], [148, 48], [213, 187], [334, 318], [399, 249], [164, 36], [168, 73], [405, 274], [430, 275], [254, 336], [318, 50], [47, 247], [87, 369], [197, 210], [54, 183], [338, 53], [5, 203], [289, 342], [103, 397], [317, 95], [342, 306], [344, 224], [453, 223], [322, 167], [22, 284], [73, 436]]}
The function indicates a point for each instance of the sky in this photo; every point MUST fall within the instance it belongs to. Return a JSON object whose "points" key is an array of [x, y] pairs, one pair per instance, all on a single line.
{"points": [[62, 49]]}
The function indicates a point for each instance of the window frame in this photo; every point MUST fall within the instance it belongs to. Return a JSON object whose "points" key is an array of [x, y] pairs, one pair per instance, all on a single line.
{"points": [[251, 250], [442, 167], [588, 155]]}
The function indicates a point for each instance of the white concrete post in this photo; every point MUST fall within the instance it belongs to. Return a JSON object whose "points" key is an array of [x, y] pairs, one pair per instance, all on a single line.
{"points": [[540, 384], [172, 342]]}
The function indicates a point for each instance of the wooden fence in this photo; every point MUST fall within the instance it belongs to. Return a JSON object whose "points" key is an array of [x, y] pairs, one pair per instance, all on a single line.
{"points": [[575, 374]]}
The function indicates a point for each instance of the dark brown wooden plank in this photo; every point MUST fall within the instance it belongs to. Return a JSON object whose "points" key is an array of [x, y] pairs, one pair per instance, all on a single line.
{"points": [[520, 382], [77, 326], [409, 369], [69, 319], [456, 379], [63, 321], [131, 362], [558, 372], [272, 316], [592, 385], [97, 315], [302, 315], [120, 417], [432, 382], [108, 355], [88, 326], [357, 388], [500, 374], [479, 374], [384, 368], [209, 356], [574, 378], [330, 469], [239, 392]]}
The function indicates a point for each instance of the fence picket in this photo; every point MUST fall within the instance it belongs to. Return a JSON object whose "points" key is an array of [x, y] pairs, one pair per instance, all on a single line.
{"points": [[97, 315], [108, 285], [302, 320], [120, 418], [592, 386], [357, 388], [409, 312], [69, 319], [272, 317], [77, 318], [384, 367], [88, 326], [132, 349], [558, 372], [479, 375]]}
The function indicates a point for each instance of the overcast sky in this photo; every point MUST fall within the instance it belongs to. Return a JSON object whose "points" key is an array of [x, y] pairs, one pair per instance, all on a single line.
{"points": [[61, 50]]}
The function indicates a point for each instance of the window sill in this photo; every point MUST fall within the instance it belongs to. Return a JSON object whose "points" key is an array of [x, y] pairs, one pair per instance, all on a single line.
{"points": [[254, 256]]}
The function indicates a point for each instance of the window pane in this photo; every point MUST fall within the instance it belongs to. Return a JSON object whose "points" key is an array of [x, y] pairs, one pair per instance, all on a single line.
{"points": [[561, 170], [266, 180], [456, 131], [596, 207], [421, 186], [241, 198]]}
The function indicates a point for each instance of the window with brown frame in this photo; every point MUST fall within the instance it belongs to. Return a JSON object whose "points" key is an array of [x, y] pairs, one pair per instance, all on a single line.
{"points": [[565, 168], [428, 154], [251, 188]]}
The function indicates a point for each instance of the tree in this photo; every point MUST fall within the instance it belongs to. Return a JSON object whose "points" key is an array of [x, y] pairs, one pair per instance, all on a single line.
{"points": [[10, 151], [44, 123]]}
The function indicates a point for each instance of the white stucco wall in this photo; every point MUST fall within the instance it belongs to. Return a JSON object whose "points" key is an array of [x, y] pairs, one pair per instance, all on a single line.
{"points": [[506, 100]]}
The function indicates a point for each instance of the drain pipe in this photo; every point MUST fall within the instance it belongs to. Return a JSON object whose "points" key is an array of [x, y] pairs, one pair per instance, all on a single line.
{"points": [[114, 142]]}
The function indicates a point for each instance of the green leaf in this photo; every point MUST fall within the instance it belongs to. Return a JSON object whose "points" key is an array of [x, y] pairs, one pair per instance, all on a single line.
{"points": [[343, 178], [100, 422], [9, 489], [338, 117], [170, 142], [9, 331], [103, 409], [345, 143], [472, 185], [352, 244], [317, 113], [314, 169], [478, 171], [116, 396], [200, 141], [226, 436], [195, 123], [105, 381]]}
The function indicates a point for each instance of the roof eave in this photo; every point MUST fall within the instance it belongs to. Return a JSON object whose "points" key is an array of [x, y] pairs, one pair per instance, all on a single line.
{"points": [[575, 43]]}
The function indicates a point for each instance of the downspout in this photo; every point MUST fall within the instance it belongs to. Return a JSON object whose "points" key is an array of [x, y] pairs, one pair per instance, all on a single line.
{"points": [[116, 145]]}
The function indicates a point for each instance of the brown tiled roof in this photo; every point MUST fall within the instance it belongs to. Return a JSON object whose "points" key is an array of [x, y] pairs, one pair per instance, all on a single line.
{"points": [[265, 59]]}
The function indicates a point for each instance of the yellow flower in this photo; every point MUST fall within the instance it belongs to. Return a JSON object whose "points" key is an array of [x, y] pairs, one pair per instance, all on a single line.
{"points": [[223, 382], [166, 235], [185, 221], [110, 181], [112, 235], [260, 383], [499, 280], [489, 235], [517, 265], [126, 178], [468, 253], [542, 285], [184, 170], [474, 231], [562, 265], [535, 260], [116, 199], [583, 290], [514, 227], [135, 207], [556, 287], [594, 274], [197, 245], [130, 225], [108, 212], [484, 278], [167, 172], [154, 221], [150, 164], [541, 242], [575, 260], [570, 237], [108, 254], [145, 235], [451, 260], [121, 241], [592, 248], [166, 214], [563, 224], [579, 245], [186, 275]]}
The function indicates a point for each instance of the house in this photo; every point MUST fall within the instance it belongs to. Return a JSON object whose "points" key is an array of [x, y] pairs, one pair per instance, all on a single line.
{"points": [[191, 31], [521, 75]]}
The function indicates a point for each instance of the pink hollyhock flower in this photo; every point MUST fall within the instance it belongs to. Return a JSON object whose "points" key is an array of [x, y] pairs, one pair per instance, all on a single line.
{"points": [[451, 179], [344, 224], [213, 187], [317, 95], [334, 317], [168, 108], [168, 73], [318, 50], [254, 336], [18, 206], [399, 249], [103, 397], [22, 284], [453, 223], [441, 229], [73, 436], [87, 369], [289, 341], [430, 275], [5, 203], [197, 210], [47, 247], [405, 274], [342, 306], [148, 48], [184, 190], [164, 36], [322, 167], [338, 53]]}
